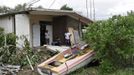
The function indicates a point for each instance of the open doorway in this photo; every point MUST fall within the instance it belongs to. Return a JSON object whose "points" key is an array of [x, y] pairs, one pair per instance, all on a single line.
{"points": [[46, 26]]}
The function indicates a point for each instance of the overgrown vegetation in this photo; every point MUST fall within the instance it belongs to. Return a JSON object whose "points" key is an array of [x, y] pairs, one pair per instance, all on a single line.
{"points": [[7, 46], [19, 7], [113, 41], [95, 71], [20, 57], [11, 54], [35, 56]]}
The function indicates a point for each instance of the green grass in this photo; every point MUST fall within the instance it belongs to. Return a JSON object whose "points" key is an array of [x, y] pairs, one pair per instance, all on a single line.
{"points": [[86, 71], [127, 71], [95, 71]]}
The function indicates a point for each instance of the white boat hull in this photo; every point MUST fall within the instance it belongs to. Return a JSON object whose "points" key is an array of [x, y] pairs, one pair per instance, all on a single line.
{"points": [[77, 66], [84, 63]]}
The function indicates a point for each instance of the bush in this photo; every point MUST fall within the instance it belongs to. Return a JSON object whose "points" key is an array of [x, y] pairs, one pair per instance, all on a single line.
{"points": [[10, 54], [7, 49], [19, 57], [113, 41], [1, 37]]}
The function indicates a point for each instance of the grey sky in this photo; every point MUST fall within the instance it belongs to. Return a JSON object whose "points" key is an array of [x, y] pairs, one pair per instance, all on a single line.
{"points": [[104, 8]]}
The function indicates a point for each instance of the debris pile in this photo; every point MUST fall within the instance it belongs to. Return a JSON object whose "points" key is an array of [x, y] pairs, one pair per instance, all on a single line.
{"points": [[9, 69]]}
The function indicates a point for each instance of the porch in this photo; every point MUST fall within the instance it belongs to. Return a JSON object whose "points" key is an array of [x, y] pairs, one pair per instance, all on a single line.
{"points": [[56, 26]]}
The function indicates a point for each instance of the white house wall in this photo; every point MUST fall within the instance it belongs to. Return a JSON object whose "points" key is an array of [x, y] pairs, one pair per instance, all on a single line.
{"points": [[7, 22], [36, 35], [22, 27]]}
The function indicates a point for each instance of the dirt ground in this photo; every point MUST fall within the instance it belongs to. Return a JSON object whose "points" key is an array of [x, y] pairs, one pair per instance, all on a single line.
{"points": [[27, 72]]}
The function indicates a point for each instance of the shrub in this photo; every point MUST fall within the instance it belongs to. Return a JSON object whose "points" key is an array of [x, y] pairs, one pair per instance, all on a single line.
{"points": [[7, 51], [1, 37], [19, 58], [113, 41]]}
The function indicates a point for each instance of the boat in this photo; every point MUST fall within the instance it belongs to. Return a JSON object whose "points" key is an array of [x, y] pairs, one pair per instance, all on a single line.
{"points": [[66, 61]]}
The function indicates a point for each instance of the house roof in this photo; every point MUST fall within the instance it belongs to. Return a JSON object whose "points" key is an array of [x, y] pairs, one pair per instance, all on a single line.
{"points": [[54, 12]]}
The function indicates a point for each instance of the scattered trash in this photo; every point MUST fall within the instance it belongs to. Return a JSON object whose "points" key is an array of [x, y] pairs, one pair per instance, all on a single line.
{"points": [[57, 48], [9, 69]]}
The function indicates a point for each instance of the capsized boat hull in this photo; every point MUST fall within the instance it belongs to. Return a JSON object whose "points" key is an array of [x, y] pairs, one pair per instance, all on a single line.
{"points": [[79, 65], [71, 65], [67, 61]]}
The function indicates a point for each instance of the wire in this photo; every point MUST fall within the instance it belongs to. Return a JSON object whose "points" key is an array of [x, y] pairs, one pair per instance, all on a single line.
{"points": [[87, 7], [29, 4], [91, 9], [52, 3], [94, 10]]}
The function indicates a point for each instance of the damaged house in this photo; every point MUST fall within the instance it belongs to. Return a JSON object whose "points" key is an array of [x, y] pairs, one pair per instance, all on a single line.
{"points": [[34, 22]]}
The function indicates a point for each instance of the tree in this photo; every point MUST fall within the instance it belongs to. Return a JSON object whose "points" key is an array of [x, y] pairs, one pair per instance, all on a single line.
{"points": [[20, 7], [113, 41], [40, 7], [4, 9], [65, 7], [23, 7]]}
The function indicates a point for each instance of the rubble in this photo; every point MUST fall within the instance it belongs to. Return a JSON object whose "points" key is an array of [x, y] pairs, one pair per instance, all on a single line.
{"points": [[9, 69]]}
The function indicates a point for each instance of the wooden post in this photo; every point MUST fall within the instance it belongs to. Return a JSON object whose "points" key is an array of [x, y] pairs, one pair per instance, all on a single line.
{"points": [[29, 62]]}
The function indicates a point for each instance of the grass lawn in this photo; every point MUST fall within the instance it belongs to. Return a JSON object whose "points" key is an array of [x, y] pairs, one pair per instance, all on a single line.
{"points": [[86, 71], [94, 71]]}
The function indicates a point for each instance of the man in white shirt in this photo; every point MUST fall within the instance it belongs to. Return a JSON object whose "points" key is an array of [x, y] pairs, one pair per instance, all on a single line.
{"points": [[47, 37], [67, 38]]}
